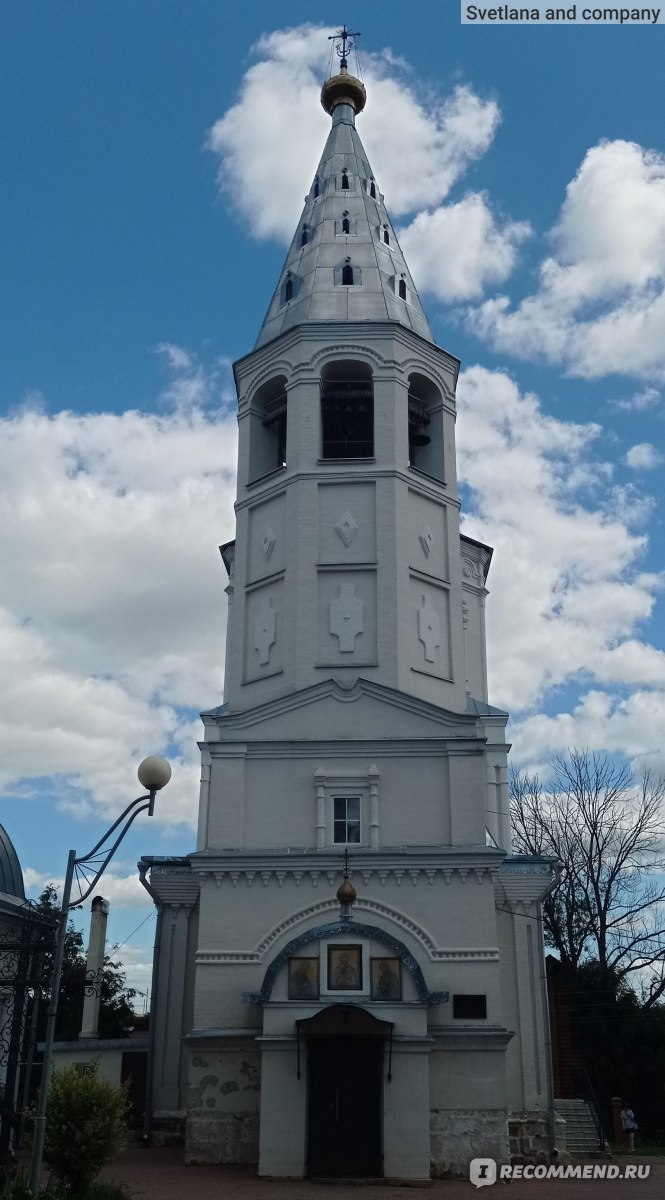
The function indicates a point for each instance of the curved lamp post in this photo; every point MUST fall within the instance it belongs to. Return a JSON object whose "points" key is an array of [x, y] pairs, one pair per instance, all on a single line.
{"points": [[83, 874]]}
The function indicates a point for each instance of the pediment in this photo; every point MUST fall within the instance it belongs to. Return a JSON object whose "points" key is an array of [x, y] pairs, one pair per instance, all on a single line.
{"points": [[335, 709]]}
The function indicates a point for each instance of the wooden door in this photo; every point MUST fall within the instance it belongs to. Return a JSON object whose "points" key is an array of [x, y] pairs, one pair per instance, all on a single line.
{"points": [[345, 1078]]}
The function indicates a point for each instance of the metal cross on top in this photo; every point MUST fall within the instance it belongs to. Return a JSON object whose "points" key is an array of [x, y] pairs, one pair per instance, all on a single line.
{"points": [[343, 35]]}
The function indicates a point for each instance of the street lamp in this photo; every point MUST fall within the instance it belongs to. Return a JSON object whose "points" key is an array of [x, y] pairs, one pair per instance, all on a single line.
{"points": [[85, 871]]}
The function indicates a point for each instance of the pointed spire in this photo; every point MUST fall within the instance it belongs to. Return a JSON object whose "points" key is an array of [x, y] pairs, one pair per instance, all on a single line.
{"points": [[344, 263]]}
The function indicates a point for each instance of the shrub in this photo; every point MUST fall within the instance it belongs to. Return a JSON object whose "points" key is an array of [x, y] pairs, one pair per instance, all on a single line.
{"points": [[86, 1119], [14, 1186]]}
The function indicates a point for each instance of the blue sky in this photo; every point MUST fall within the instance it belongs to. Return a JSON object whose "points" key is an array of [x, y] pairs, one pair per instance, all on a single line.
{"points": [[151, 177]]}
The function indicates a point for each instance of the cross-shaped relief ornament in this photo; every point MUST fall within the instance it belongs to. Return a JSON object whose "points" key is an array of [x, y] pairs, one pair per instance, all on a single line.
{"points": [[265, 631], [346, 617], [429, 629]]}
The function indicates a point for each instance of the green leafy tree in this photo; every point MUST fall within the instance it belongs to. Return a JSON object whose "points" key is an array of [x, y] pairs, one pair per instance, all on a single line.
{"points": [[86, 1122], [116, 1015]]}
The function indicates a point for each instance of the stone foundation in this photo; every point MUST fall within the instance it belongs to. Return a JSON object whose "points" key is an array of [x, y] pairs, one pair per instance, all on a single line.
{"points": [[167, 1128], [457, 1136], [222, 1138], [530, 1137]]}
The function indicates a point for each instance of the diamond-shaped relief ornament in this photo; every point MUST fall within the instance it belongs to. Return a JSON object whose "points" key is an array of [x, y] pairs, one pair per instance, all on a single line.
{"points": [[426, 538], [268, 543], [347, 528]]}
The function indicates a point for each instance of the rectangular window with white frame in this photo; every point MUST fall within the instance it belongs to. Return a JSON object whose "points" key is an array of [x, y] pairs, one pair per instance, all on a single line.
{"points": [[347, 807], [346, 820]]}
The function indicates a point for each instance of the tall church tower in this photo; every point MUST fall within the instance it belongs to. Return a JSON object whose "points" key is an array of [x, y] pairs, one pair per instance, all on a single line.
{"points": [[395, 1025]]}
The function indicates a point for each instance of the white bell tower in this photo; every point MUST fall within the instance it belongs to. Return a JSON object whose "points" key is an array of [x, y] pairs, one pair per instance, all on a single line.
{"points": [[395, 1030]]}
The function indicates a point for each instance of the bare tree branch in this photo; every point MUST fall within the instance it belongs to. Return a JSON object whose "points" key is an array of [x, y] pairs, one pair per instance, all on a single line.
{"points": [[606, 829]]}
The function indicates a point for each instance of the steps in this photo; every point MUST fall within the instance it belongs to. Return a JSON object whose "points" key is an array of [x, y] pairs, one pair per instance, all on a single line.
{"points": [[581, 1133]]}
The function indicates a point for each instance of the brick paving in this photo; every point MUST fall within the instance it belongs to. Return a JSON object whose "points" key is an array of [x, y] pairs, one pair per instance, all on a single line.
{"points": [[160, 1174]]}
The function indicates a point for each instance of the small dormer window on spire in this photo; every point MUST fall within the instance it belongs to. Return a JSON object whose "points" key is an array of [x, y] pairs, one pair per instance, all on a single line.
{"points": [[386, 235], [345, 180], [316, 190], [289, 288], [401, 288], [346, 227], [347, 274], [372, 189], [304, 236]]}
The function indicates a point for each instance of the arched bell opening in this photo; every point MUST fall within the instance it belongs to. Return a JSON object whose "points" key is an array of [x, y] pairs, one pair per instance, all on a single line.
{"points": [[347, 410], [425, 417], [267, 432]]}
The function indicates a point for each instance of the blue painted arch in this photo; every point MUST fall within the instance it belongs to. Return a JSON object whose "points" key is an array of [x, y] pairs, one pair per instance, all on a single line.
{"points": [[348, 928]]}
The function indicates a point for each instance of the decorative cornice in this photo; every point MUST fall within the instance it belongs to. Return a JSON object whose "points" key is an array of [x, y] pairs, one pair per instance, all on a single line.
{"points": [[172, 881], [366, 471], [470, 1038], [299, 873], [361, 858], [522, 880], [411, 747], [464, 723], [351, 333], [201, 1037]]}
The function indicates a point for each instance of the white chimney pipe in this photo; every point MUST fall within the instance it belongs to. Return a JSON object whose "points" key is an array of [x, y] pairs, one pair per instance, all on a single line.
{"points": [[94, 967]]}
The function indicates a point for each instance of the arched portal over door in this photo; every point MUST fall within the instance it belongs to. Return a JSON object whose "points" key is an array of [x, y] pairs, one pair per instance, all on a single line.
{"points": [[345, 1065]]}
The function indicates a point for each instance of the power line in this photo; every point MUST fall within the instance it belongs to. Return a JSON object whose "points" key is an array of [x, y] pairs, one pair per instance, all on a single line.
{"points": [[119, 945]]}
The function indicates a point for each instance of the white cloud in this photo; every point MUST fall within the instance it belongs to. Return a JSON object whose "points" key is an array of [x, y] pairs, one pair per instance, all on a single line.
{"points": [[122, 891], [422, 147], [136, 963], [641, 401], [457, 250], [567, 594], [600, 305], [603, 721], [643, 457], [262, 167], [112, 614], [191, 385], [419, 146]]}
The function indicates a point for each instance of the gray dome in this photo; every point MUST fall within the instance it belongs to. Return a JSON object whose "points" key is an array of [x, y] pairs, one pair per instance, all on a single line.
{"points": [[11, 876]]}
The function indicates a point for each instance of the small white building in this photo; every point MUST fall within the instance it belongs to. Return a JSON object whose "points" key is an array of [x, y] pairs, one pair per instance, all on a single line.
{"points": [[401, 1029]]}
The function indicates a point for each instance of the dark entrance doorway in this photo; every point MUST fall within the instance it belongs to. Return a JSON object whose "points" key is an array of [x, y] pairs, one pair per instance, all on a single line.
{"points": [[345, 1107], [345, 1088]]}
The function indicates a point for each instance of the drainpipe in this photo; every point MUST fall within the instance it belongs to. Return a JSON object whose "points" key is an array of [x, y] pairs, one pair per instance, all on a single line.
{"points": [[146, 1136], [551, 1115]]}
